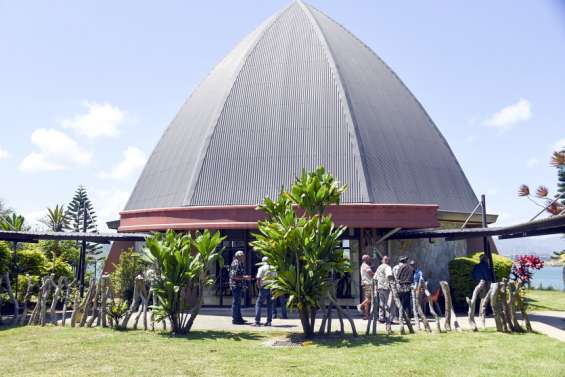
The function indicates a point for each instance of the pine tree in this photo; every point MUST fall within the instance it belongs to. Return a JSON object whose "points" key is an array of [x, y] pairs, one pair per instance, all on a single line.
{"points": [[75, 215], [561, 175]]}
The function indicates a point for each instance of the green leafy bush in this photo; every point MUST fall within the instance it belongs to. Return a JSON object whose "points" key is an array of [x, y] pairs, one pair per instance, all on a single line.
{"points": [[5, 257], [67, 251], [31, 260], [129, 266], [22, 284], [60, 268], [461, 275]]}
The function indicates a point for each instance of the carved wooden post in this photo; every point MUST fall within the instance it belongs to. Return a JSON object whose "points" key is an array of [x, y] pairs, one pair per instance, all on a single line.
{"points": [[343, 314], [506, 310], [94, 304], [107, 287], [449, 311], [371, 322], [431, 305], [485, 300], [522, 308], [76, 308], [13, 298], [514, 290], [134, 302], [56, 296], [495, 305], [84, 307], [420, 311], [48, 282], [414, 310], [66, 300], [23, 318], [472, 304]]}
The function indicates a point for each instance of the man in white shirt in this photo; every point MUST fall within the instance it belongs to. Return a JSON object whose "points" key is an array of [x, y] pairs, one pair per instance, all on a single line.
{"points": [[366, 283], [264, 273], [383, 289]]}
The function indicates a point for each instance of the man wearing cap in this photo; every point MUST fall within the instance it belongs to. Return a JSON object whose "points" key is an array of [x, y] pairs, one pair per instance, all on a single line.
{"points": [[404, 275], [264, 274], [237, 277]]}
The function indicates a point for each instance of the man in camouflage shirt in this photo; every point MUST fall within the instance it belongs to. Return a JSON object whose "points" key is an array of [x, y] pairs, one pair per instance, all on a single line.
{"points": [[237, 278]]}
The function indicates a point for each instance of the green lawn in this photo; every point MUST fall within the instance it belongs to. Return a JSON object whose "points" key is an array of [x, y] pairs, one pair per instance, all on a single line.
{"points": [[37, 351], [545, 300]]}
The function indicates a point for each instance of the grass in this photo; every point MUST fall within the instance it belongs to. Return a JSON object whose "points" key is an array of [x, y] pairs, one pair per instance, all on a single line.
{"points": [[545, 300], [37, 351]]}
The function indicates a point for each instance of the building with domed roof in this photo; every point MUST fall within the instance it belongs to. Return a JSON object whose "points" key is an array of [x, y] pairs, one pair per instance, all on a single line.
{"points": [[299, 92]]}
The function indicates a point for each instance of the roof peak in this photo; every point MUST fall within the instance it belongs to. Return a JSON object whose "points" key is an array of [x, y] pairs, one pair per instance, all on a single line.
{"points": [[298, 92]]}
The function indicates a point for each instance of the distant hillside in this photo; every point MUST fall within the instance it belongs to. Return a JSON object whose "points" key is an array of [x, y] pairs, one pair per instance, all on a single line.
{"points": [[544, 245]]}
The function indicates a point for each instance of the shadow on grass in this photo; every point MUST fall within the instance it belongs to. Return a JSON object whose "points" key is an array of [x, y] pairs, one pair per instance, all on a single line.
{"points": [[216, 335], [348, 341], [534, 304]]}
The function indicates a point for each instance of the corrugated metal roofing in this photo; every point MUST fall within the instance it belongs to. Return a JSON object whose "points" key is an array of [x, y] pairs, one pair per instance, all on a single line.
{"points": [[299, 92]]}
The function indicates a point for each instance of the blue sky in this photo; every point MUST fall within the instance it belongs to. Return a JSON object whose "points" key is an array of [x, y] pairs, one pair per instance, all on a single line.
{"points": [[86, 88]]}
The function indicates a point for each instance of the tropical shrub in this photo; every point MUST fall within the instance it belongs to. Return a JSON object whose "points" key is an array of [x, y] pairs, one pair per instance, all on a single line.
{"points": [[117, 310], [60, 268], [303, 249], [5, 257], [31, 260], [129, 266], [181, 264], [461, 275], [67, 251], [524, 266]]}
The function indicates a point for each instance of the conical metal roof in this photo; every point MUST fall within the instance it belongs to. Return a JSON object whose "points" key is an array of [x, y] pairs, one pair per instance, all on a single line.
{"points": [[298, 92]]}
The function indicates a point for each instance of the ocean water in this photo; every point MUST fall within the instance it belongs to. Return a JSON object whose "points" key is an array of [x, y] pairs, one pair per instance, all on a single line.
{"points": [[549, 276]]}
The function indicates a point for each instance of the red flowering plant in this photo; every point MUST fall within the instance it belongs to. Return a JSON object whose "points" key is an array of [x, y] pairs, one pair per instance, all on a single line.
{"points": [[524, 266]]}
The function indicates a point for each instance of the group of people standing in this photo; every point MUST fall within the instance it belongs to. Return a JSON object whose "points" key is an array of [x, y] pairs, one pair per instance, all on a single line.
{"points": [[238, 281], [405, 275]]}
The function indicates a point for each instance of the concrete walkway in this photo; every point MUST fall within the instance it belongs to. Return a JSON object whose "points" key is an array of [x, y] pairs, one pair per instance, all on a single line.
{"points": [[548, 323]]}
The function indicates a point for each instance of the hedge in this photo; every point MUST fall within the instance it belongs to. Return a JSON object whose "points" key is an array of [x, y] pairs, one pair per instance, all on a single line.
{"points": [[461, 275]]}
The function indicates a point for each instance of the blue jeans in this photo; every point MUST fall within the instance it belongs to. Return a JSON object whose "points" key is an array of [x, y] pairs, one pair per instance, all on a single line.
{"points": [[264, 295], [236, 304], [282, 302]]}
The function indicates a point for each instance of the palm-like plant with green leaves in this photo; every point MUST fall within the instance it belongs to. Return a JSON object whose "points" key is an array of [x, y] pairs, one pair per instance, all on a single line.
{"points": [[304, 249], [181, 265], [12, 222], [57, 218]]}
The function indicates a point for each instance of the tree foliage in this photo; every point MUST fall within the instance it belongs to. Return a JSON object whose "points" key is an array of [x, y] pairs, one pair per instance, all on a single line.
{"points": [[542, 197], [76, 218], [181, 264], [303, 248], [57, 219], [12, 222], [5, 257], [129, 266]]}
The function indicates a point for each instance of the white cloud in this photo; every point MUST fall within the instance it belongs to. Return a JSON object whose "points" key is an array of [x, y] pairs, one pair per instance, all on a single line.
{"points": [[532, 162], [559, 145], [133, 160], [508, 116], [100, 120], [4, 155], [108, 204], [56, 151]]}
